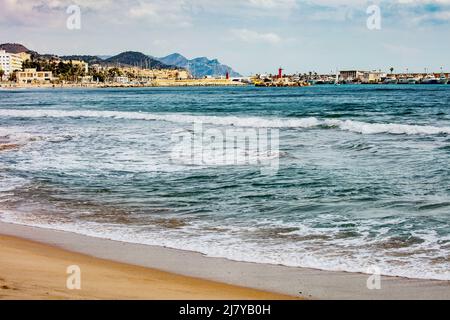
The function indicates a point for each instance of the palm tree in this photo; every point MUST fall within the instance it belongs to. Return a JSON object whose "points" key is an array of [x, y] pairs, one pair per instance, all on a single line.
{"points": [[392, 70], [2, 73]]}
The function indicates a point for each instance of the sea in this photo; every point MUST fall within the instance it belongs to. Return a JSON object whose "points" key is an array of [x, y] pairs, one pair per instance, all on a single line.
{"points": [[355, 178]]}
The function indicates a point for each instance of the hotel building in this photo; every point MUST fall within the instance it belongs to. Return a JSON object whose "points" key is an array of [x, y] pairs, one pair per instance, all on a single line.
{"points": [[30, 76], [10, 62]]}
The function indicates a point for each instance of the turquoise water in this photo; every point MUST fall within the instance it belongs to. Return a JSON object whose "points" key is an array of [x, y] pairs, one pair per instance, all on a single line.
{"points": [[362, 173]]}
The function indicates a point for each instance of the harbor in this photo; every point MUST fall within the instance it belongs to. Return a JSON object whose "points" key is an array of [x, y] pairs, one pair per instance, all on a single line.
{"points": [[349, 77]]}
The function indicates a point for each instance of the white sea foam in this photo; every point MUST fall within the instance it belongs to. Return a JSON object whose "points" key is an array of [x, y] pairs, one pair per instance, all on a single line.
{"points": [[224, 246], [254, 122], [14, 135]]}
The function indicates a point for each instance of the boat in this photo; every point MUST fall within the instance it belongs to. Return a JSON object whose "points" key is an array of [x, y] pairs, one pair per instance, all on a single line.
{"points": [[430, 79], [390, 80], [336, 80], [403, 80], [443, 79], [413, 80], [320, 81]]}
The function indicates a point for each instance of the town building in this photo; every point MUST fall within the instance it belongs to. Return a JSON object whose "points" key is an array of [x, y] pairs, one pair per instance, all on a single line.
{"points": [[78, 63], [30, 76], [352, 76], [10, 62], [373, 77], [24, 56], [121, 80]]}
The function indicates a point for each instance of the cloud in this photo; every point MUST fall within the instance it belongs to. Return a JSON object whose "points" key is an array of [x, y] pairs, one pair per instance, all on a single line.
{"points": [[44, 12], [271, 4], [401, 50], [162, 12], [250, 36], [182, 13]]}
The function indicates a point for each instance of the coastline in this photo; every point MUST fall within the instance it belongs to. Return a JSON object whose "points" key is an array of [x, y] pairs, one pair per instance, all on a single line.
{"points": [[154, 84], [30, 270], [284, 282]]}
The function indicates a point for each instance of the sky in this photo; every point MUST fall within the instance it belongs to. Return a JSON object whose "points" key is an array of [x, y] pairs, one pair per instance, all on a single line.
{"points": [[252, 36]]}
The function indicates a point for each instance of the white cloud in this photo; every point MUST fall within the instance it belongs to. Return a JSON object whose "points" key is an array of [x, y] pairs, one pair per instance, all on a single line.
{"points": [[251, 36], [161, 12], [187, 12], [270, 4]]}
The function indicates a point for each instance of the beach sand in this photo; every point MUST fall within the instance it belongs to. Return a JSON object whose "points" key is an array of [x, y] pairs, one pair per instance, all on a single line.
{"points": [[31, 270], [34, 261]]}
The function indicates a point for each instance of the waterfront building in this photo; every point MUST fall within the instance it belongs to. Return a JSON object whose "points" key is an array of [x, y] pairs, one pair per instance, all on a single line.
{"points": [[352, 76], [373, 77], [121, 80], [10, 62], [31, 76]]}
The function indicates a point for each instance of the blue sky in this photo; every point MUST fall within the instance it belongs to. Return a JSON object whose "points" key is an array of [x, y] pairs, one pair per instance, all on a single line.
{"points": [[250, 35]]}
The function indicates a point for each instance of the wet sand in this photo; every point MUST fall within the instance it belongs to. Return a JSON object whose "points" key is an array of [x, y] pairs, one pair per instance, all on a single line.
{"points": [[31, 270], [295, 282]]}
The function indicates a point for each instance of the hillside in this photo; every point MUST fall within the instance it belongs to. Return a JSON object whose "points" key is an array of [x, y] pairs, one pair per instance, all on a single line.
{"points": [[132, 58], [199, 67], [14, 48], [85, 58]]}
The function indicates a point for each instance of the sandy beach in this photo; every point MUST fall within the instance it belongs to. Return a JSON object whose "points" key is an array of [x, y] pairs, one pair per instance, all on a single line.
{"points": [[31, 270], [33, 264]]}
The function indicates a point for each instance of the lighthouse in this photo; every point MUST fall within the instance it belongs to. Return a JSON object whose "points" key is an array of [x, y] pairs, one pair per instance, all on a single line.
{"points": [[280, 73]]}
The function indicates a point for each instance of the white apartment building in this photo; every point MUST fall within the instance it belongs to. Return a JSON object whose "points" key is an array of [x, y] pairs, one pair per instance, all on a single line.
{"points": [[10, 62]]}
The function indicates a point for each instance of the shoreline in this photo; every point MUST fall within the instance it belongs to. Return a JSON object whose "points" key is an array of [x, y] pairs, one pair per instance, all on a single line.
{"points": [[156, 84], [281, 280], [30, 270]]}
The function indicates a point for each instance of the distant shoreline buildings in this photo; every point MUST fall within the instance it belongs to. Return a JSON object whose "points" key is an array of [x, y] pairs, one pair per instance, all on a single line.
{"points": [[24, 68], [349, 77]]}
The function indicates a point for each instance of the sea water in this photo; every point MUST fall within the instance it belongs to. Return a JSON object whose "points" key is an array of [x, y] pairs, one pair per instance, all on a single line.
{"points": [[362, 175]]}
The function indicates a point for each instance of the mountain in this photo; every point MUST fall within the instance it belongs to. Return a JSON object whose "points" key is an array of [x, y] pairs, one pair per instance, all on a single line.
{"points": [[132, 58], [199, 67], [14, 48], [104, 57], [175, 59], [17, 48]]}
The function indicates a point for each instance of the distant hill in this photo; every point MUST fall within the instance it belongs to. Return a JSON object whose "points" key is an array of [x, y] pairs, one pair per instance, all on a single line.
{"points": [[17, 48], [175, 59], [85, 58], [139, 59], [199, 67], [104, 57], [14, 48]]}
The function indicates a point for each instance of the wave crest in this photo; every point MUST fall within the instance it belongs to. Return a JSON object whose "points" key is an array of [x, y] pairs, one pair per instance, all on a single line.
{"points": [[254, 122]]}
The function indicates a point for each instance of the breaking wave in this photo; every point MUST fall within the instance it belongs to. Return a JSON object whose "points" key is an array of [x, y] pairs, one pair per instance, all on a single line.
{"points": [[254, 122]]}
